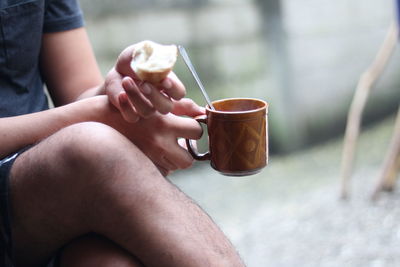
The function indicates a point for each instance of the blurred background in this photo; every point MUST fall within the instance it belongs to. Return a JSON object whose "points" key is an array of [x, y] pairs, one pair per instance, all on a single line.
{"points": [[304, 58]]}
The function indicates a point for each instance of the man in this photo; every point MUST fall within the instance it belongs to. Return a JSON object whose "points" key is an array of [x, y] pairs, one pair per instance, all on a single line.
{"points": [[85, 181]]}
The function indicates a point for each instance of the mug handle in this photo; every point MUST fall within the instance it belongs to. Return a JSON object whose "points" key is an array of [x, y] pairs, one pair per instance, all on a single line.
{"points": [[192, 151]]}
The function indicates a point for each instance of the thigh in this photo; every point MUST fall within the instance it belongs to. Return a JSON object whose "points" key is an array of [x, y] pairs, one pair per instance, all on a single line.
{"points": [[95, 251], [49, 184]]}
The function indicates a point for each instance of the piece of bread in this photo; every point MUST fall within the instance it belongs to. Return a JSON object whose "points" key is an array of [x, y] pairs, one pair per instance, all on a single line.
{"points": [[152, 62]]}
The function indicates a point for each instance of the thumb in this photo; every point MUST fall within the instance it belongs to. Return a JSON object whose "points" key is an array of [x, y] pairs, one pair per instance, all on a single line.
{"points": [[113, 87], [187, 107], [123, 65]]}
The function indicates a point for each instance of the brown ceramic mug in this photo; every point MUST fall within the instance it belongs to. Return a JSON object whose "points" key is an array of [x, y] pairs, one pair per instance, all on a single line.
{"points": [[238, 138]]}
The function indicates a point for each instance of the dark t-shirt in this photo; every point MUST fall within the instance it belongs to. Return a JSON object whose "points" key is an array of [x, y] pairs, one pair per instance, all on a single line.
{"points": [[22, 24]]}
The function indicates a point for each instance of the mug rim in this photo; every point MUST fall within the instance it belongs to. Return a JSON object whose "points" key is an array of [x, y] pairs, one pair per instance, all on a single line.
{"points": [[238, 112]]}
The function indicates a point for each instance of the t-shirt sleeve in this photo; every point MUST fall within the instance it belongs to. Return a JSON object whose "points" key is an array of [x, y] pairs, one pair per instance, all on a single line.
{"points": [[62, 15]]}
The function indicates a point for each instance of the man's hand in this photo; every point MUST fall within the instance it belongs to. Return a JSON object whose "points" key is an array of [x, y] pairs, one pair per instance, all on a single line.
{"points": [[157, 136], [136, 99]]}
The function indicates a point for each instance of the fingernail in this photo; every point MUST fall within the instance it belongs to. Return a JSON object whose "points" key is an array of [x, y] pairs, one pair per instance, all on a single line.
{"points": [[167, 84], [145, 89], [128, 82], [123, 98]]}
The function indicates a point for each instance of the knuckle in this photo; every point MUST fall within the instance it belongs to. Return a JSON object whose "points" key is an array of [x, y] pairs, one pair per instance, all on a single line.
{"points": [[163, 123], [158, 143], [165, 107], [130, 115], [180, 94], [147, 112]]}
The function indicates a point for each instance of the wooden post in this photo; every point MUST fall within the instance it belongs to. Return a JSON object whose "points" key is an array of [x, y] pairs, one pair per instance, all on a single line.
{"points": [[390, 166], [366, 81]]}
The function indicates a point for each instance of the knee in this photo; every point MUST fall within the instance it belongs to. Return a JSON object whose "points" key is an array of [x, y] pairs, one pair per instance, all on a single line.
{"points": [[96, 147], [100, 152], [94, 153], [91, 141]]}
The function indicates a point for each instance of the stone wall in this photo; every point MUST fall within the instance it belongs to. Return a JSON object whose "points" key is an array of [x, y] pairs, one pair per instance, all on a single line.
{"points": [[304, 57]]}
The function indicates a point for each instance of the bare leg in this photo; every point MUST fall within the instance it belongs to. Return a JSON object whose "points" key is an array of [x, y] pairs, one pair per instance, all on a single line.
{"points": [[89, 178], [96, 251]]}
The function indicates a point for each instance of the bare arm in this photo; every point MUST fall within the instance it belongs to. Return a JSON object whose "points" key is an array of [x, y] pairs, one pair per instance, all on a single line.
{"points": [[20, 131], [69, 66]]}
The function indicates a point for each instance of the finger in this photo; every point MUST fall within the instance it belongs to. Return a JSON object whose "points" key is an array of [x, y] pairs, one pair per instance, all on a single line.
{"points": [[143, 107], [173, 87], [160, 101], [164, 162], [162, 170], [169, 165], [113, 87], [179, 156], [186, 127], [127, 110], [187, 107], [182, 143]]}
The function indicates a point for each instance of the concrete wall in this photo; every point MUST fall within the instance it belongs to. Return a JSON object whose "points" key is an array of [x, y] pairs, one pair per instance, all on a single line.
{"points": [[329, 44], [304, 57]]}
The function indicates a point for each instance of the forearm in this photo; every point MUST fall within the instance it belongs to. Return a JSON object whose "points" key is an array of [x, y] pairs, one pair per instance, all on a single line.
{"points": [[20, 131]]}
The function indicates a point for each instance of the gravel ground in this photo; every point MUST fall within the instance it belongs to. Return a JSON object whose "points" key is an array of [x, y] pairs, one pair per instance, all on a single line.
{"points": [[290, 214]]}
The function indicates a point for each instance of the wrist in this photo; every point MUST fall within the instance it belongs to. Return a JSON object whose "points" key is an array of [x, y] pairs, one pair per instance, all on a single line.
{"points": [[101, 110], [95, 108]]}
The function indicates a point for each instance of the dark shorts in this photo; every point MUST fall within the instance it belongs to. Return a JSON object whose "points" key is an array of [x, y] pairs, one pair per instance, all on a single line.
{"points": [[5, 218], [5, 213]]}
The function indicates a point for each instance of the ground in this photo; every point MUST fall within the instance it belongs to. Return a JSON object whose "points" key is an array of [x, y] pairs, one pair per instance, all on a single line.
{"points": [[291, 215]]}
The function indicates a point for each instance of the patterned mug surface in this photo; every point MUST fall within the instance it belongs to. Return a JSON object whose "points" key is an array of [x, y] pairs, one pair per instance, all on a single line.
{"points": [[238, 139]]}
